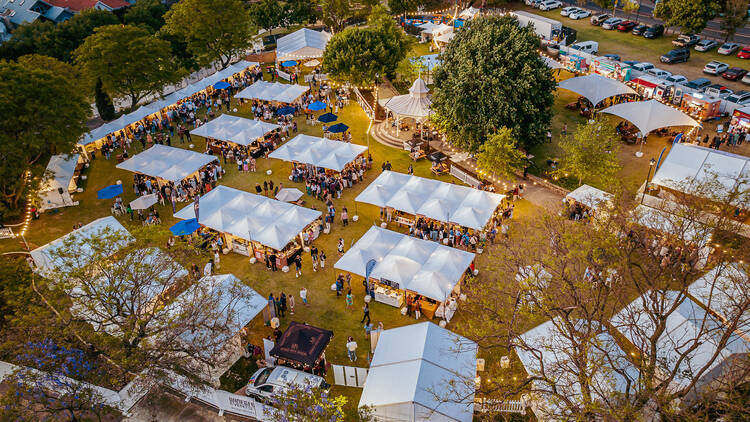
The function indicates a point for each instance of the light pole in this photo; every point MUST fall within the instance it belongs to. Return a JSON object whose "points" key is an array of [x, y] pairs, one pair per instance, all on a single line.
{"points": [[648, 176]]}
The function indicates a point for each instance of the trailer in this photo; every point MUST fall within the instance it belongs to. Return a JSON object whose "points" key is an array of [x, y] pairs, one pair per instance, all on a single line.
{"points": [[547, 29]]}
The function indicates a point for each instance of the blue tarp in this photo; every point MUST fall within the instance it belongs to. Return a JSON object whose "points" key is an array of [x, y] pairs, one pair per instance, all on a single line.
{"points": [[317, 105], [338, 128], [221, 85], [109, 192], [289, 63], [185, 227], [285, 110], [328, 118]]}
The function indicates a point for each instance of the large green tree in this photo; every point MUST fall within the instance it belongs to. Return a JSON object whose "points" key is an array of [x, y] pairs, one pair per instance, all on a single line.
{"points": [[398, 7], [266, 14], [735, 15], [500, 154], [129, 60], [590, 153], [491, 76], [215, 30], [298, 12], [149, 13], [43, 112], [335, 13], [690, 16]]}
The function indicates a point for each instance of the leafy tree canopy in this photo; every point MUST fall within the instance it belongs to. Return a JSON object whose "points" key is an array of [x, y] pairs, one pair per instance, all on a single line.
{"points": [[149, 13], [335, 13], [591, 153], [501, 155], [491, 76], [266, 14], [398, 7], [690, 16]]}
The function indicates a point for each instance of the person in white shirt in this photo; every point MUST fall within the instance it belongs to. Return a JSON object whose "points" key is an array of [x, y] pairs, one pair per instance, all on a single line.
{"points": [[351, 349]]}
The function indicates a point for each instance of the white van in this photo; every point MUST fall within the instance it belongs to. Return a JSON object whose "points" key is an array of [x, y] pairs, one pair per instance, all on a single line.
{"points": [[266, 382], [591, 47]]}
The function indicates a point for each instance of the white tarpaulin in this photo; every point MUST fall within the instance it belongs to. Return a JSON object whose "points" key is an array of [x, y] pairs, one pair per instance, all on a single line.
{"points": [[167, 163], [302, 44], [690, 166], [289, 194], [650, 115], [251, 217], [234, 129], [422, 266], [415, 104], [596, 88], [431, 198], [60, 172], [469, 13], [46, 258], [434, 369], [590, 196], [273, 91], [144, 202], [320, 152], [659, 220]]}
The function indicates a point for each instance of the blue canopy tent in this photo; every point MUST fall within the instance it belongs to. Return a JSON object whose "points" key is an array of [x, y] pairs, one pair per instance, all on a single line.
{"points": [[285, 110], [221, 85], [328, 118], [289, 63], [317, 105], [109, 192], [185, 227], [338, 128]]}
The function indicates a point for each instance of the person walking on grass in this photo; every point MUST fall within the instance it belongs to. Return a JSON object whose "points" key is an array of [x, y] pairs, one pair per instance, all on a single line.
{"points": [[322, 259], [351, 349], [349, 299], [341, 246], [298, 266], [303, 295], [290, 302], [314, 257], [366, 310], [345, 216]]}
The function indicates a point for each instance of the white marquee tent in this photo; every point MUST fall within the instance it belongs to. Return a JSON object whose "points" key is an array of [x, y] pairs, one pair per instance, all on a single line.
{"points": [[421, 372], [302, 44], [320, 152], [596, 88], [551, 63], [650, 115], [234, 129], [465, 206], [469, 13], [55, 190], [723, 290], [46, 257], [273, 91], [688, 324], [251, 217], [590, 196], [445, 38], [688, 167], [415, 104], [167, 163], [663, 221], [425, 267]]}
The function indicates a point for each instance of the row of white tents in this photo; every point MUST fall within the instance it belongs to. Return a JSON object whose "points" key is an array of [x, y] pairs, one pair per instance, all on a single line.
{"points": [[167, 163], [273, 91], [319, 152], [234, 129]]}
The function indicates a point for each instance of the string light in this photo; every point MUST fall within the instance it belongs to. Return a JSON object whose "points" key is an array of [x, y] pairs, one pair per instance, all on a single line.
{"points": [[29, 197]]}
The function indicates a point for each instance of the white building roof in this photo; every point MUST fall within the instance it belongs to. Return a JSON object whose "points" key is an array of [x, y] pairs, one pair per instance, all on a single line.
{"points": [[431, 198], [273, 91], [302, 44], [415, 104], [435, 369], [60, 169], [650, 115], [320, 152], [168, 163], [251, 217], [596, 88], [422, 266], [234, 129], [723, 290], [590, 196]]}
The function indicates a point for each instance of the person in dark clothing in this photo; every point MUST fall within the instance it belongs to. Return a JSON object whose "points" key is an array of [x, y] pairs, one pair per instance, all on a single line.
{"points": [[366, 310], [282, 299], [272, 259]]}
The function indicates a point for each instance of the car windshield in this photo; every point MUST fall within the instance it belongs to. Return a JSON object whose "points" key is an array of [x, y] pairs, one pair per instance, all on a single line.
{"points": [[263, 377], [726, 46]]}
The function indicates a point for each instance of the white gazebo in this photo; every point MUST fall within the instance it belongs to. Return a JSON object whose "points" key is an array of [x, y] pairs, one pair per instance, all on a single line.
{"points": [[302, 44], [416, 104], [273, 91], [60, 182], [596, 88], [650, 115], [167, 164], [234, 129], [319, 152], [421, 372]]}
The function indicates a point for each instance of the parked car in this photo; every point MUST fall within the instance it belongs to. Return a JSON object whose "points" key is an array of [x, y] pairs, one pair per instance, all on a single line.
{"points": [[266, 382], [705, 45], [630, 63], [686, 40], [566, 11], [654, 31], [739, 97], [746, 79], [591, 47], [550, 5], [626, 26], [580, 14], [734, 74], [699, 83], [639, 29], [718, 90], [614, 57], [659, 73], [643, 66], [715, 68], [728, 48], [678, 79], [678, 55], [744, 53], [599, 19], [611, 23]]}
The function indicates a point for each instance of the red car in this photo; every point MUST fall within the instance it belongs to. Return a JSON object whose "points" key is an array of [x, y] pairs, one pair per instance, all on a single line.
{"points": [[744, 53], [626, 26], [734, 73]]}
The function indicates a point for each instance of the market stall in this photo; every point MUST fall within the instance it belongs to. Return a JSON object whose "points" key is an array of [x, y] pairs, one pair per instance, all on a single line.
{"points": [[274, 92], [741, 118], [301, 346], [167, 164], [302, 44], [612, 69], [596, 88], [254, 225], [584, 201], [673, 230], [319, 152], [238, 131], [421, 273], [61, 178], [421, 372], [701, 106]]}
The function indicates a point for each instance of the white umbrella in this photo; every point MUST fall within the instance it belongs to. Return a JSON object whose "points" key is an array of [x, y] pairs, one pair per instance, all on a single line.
{"points": [[144, 202], [312, 63], [289, 194]]}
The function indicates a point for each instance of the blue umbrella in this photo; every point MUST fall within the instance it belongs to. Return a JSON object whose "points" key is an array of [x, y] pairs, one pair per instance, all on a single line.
{"points": [[289, 63], [285, 110], [185, 227], [221, 85], [317, 105], [328, 118], [338, 128], [109, 192]]}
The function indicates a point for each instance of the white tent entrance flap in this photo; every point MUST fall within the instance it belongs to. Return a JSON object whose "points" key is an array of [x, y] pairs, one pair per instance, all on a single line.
{"points": [[596, 88], [650, 115], [273, 91], [237, 130], [319, 152], [167, 163]]}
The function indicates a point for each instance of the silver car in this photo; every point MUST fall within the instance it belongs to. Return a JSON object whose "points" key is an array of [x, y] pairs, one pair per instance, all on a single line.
{"points": [[706, 45], [611, 23]]}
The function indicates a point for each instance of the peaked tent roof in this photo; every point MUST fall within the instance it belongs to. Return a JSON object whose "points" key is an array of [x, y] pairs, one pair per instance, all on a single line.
{"points": [[320, 152], [61, 169], [302, 343], [234, 129], [723, 291], [590, 196], [273, 91], [596, 88], [168, 163], [302, 44], [415, 104], [650, 115]]}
